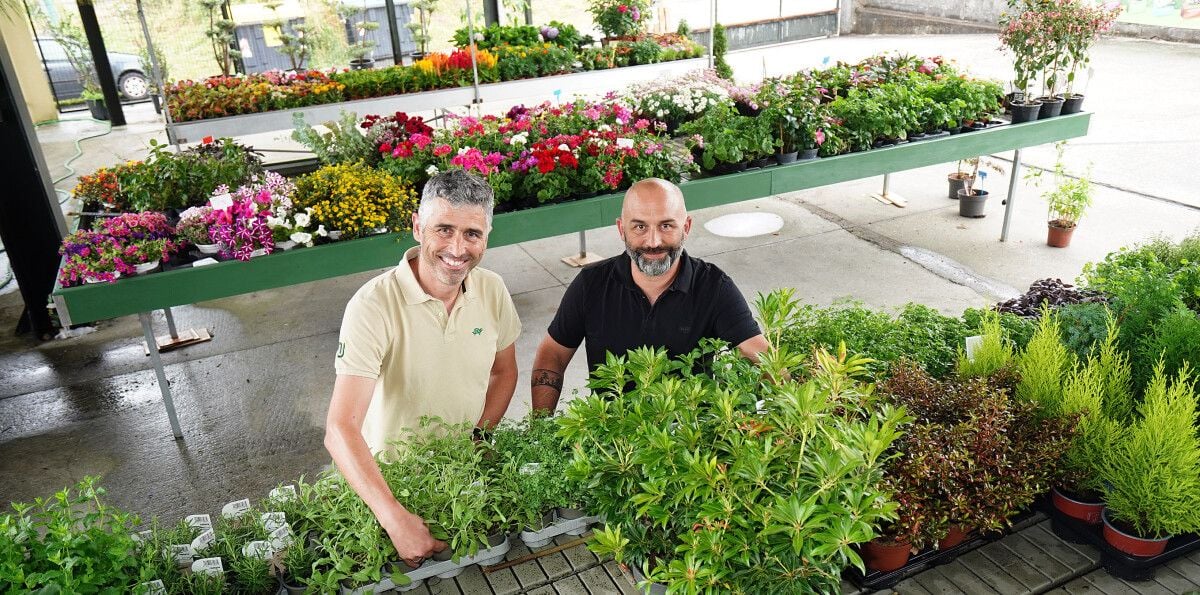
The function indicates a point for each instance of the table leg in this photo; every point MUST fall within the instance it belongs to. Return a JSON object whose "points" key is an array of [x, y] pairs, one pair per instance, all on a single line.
{"points": [[170, 323], [163, 386], [1012, 193]]}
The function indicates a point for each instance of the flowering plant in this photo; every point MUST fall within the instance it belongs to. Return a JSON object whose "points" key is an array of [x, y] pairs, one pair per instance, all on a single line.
{"points": [[620, 18], [103, 188], [678, 100], [293, 227], [356, 199], [193, 226], [91, 256], [220, 96], [385, 132], [242, 228]]}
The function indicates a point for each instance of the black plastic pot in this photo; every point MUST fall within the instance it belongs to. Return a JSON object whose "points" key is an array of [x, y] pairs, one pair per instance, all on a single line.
{"points": [[1026, 112], [97, 108], [1051, 107], [972, 205], [957, 184], [362, 64], [784, 158], [1072, 104], [808, 154], [762, 162]]}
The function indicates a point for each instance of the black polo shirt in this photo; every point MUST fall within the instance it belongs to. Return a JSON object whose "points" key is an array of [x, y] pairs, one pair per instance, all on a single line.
{"points": [[604, 306]]}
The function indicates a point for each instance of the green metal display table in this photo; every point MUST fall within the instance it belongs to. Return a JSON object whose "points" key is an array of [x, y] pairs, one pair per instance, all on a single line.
{"points": [[161, 291]]}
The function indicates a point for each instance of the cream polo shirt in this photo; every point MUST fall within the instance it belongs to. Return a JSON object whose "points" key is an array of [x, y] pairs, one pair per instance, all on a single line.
{"points": [[424, 361]]}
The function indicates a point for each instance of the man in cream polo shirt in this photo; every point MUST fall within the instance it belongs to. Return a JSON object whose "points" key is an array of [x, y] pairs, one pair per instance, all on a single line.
{"points": [[433, 336]]}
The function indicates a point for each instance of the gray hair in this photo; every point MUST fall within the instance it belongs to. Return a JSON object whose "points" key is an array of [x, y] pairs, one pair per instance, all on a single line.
{"points": [[458, 188]]}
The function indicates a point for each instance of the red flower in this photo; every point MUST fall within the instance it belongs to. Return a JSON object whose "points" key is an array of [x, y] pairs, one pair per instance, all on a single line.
{"points": [[568, 159], [206, 140], [385, 148], [622, 8]]}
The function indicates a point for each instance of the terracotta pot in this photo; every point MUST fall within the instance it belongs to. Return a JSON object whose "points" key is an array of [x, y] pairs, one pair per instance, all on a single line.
{"points": [[1058, 237], [957, 535], [884, 556], [1131, 544], [1086, 511]]}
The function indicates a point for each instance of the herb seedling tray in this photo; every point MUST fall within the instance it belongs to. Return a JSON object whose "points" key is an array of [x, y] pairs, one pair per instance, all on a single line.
{"points": [[876, 580], [1118, 563]]}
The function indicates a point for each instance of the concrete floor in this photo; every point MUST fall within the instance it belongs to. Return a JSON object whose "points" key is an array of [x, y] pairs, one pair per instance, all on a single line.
{"points": [[252, 401]]}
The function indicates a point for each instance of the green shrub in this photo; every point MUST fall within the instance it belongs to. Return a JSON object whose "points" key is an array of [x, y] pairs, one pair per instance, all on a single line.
{"points": [[1083, 326], [1174, 340], [170, 180], [1096, 434], [343, 143], [1043, 364], [994, 353], [1153, 474], [719, 46]]}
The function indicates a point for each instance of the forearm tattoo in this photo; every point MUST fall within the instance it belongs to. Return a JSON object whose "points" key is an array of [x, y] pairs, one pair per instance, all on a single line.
{"points": [[550, 378]]}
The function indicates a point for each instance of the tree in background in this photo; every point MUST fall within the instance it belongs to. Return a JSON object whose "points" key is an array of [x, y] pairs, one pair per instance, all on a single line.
{"points": [[720, 45]]}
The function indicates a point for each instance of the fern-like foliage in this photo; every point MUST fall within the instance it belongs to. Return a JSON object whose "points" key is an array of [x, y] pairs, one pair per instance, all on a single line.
{"points": [[1043, 364], [994, 353]]}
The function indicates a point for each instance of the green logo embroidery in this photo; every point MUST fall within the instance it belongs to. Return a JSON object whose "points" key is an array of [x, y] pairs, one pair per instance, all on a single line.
{"points": [[477, 331], [341, 349]]}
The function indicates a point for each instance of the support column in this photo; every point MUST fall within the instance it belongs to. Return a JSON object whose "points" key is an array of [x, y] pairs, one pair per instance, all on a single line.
{"points": [[1012, 193], [163, 386], [104, 73]]}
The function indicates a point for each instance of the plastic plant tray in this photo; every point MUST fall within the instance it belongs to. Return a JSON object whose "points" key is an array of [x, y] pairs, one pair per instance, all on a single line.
{"points": [[875, 580], [1118, 563], [433, 568], [559, 527]]}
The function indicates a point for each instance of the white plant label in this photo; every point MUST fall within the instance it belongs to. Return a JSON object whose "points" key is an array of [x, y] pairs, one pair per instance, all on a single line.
{"points": [[258, 549], [273, 520], [203, 262], [236, 509], [221, 202], [203, 541], [973, 345], [280, 538], [203, 522], [155, 587], [530, 468], [283, 493], [209, 566], [183, 554], [761, 406]]}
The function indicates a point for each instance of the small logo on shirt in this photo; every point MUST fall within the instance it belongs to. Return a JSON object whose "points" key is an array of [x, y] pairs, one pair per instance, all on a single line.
{"points": [[341, 349], [477, 331]]}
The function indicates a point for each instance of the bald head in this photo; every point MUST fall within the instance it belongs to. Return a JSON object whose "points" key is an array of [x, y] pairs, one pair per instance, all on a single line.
{"points": [[653, 224], [656, 193]]}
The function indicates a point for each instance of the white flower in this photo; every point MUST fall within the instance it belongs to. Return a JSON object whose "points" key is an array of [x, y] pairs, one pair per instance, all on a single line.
{"points": [[275, 221], [321, 231], [519, 138], [625, 143], [564, 147], [432, 170], [463, 151], [302, 219], [604, 128], [301, 237]]}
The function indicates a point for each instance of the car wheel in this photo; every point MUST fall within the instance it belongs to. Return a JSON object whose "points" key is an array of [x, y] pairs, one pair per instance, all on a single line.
{"points": [[133, 85]]}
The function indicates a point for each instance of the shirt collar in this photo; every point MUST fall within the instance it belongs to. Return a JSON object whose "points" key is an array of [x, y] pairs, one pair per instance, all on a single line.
{"points": [[411, 289], [682, 282]]}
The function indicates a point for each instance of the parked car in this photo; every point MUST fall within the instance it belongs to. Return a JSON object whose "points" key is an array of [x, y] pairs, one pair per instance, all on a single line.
{"points": [[128, 73]]}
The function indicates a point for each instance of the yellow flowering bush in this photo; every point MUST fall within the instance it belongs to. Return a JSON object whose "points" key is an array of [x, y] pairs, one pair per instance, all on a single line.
{"points": [[356, 199]]}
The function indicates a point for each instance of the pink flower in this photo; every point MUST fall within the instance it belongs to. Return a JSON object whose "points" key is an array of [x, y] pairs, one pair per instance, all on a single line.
{"points": [[442, 150], [820, 137], [420, 140], [641, 124], [622, 8]]}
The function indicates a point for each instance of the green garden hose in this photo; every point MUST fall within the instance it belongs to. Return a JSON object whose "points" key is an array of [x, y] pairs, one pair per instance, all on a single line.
{"points": [[8, 275]]}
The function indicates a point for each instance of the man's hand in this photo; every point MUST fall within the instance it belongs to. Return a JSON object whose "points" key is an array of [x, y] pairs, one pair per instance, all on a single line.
{"points": [[412, 539]]}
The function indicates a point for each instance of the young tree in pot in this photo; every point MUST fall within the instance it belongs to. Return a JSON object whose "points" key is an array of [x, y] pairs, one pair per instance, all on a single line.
{"points": [[1022, 33], [1153, 475], [1088, 23]]}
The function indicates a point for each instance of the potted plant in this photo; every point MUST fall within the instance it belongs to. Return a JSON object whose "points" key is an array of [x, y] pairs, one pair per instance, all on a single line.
{"points": [[619, 19], [361, 48], [95, 103], [1152, 476], [965, 172], [420, 26], [1066, 202], [972, 201], [1023, 33], [1089, 22], [192, 229]]}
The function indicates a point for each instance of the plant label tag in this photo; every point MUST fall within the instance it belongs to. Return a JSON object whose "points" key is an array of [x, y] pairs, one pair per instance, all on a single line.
{"points": [[203, 522], [973, 344], [183, 554], [221, 202], [258, 549], [761, 406], [1018, 96], [203, 262], [155, 587], [209, 566], [283, 493], [530, 468], [203, 541], [280, 538], [236, 509], [273, 520]]}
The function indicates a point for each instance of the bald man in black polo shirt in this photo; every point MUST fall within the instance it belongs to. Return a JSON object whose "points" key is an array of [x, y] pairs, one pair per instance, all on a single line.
{"points": [[652, 295]]}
